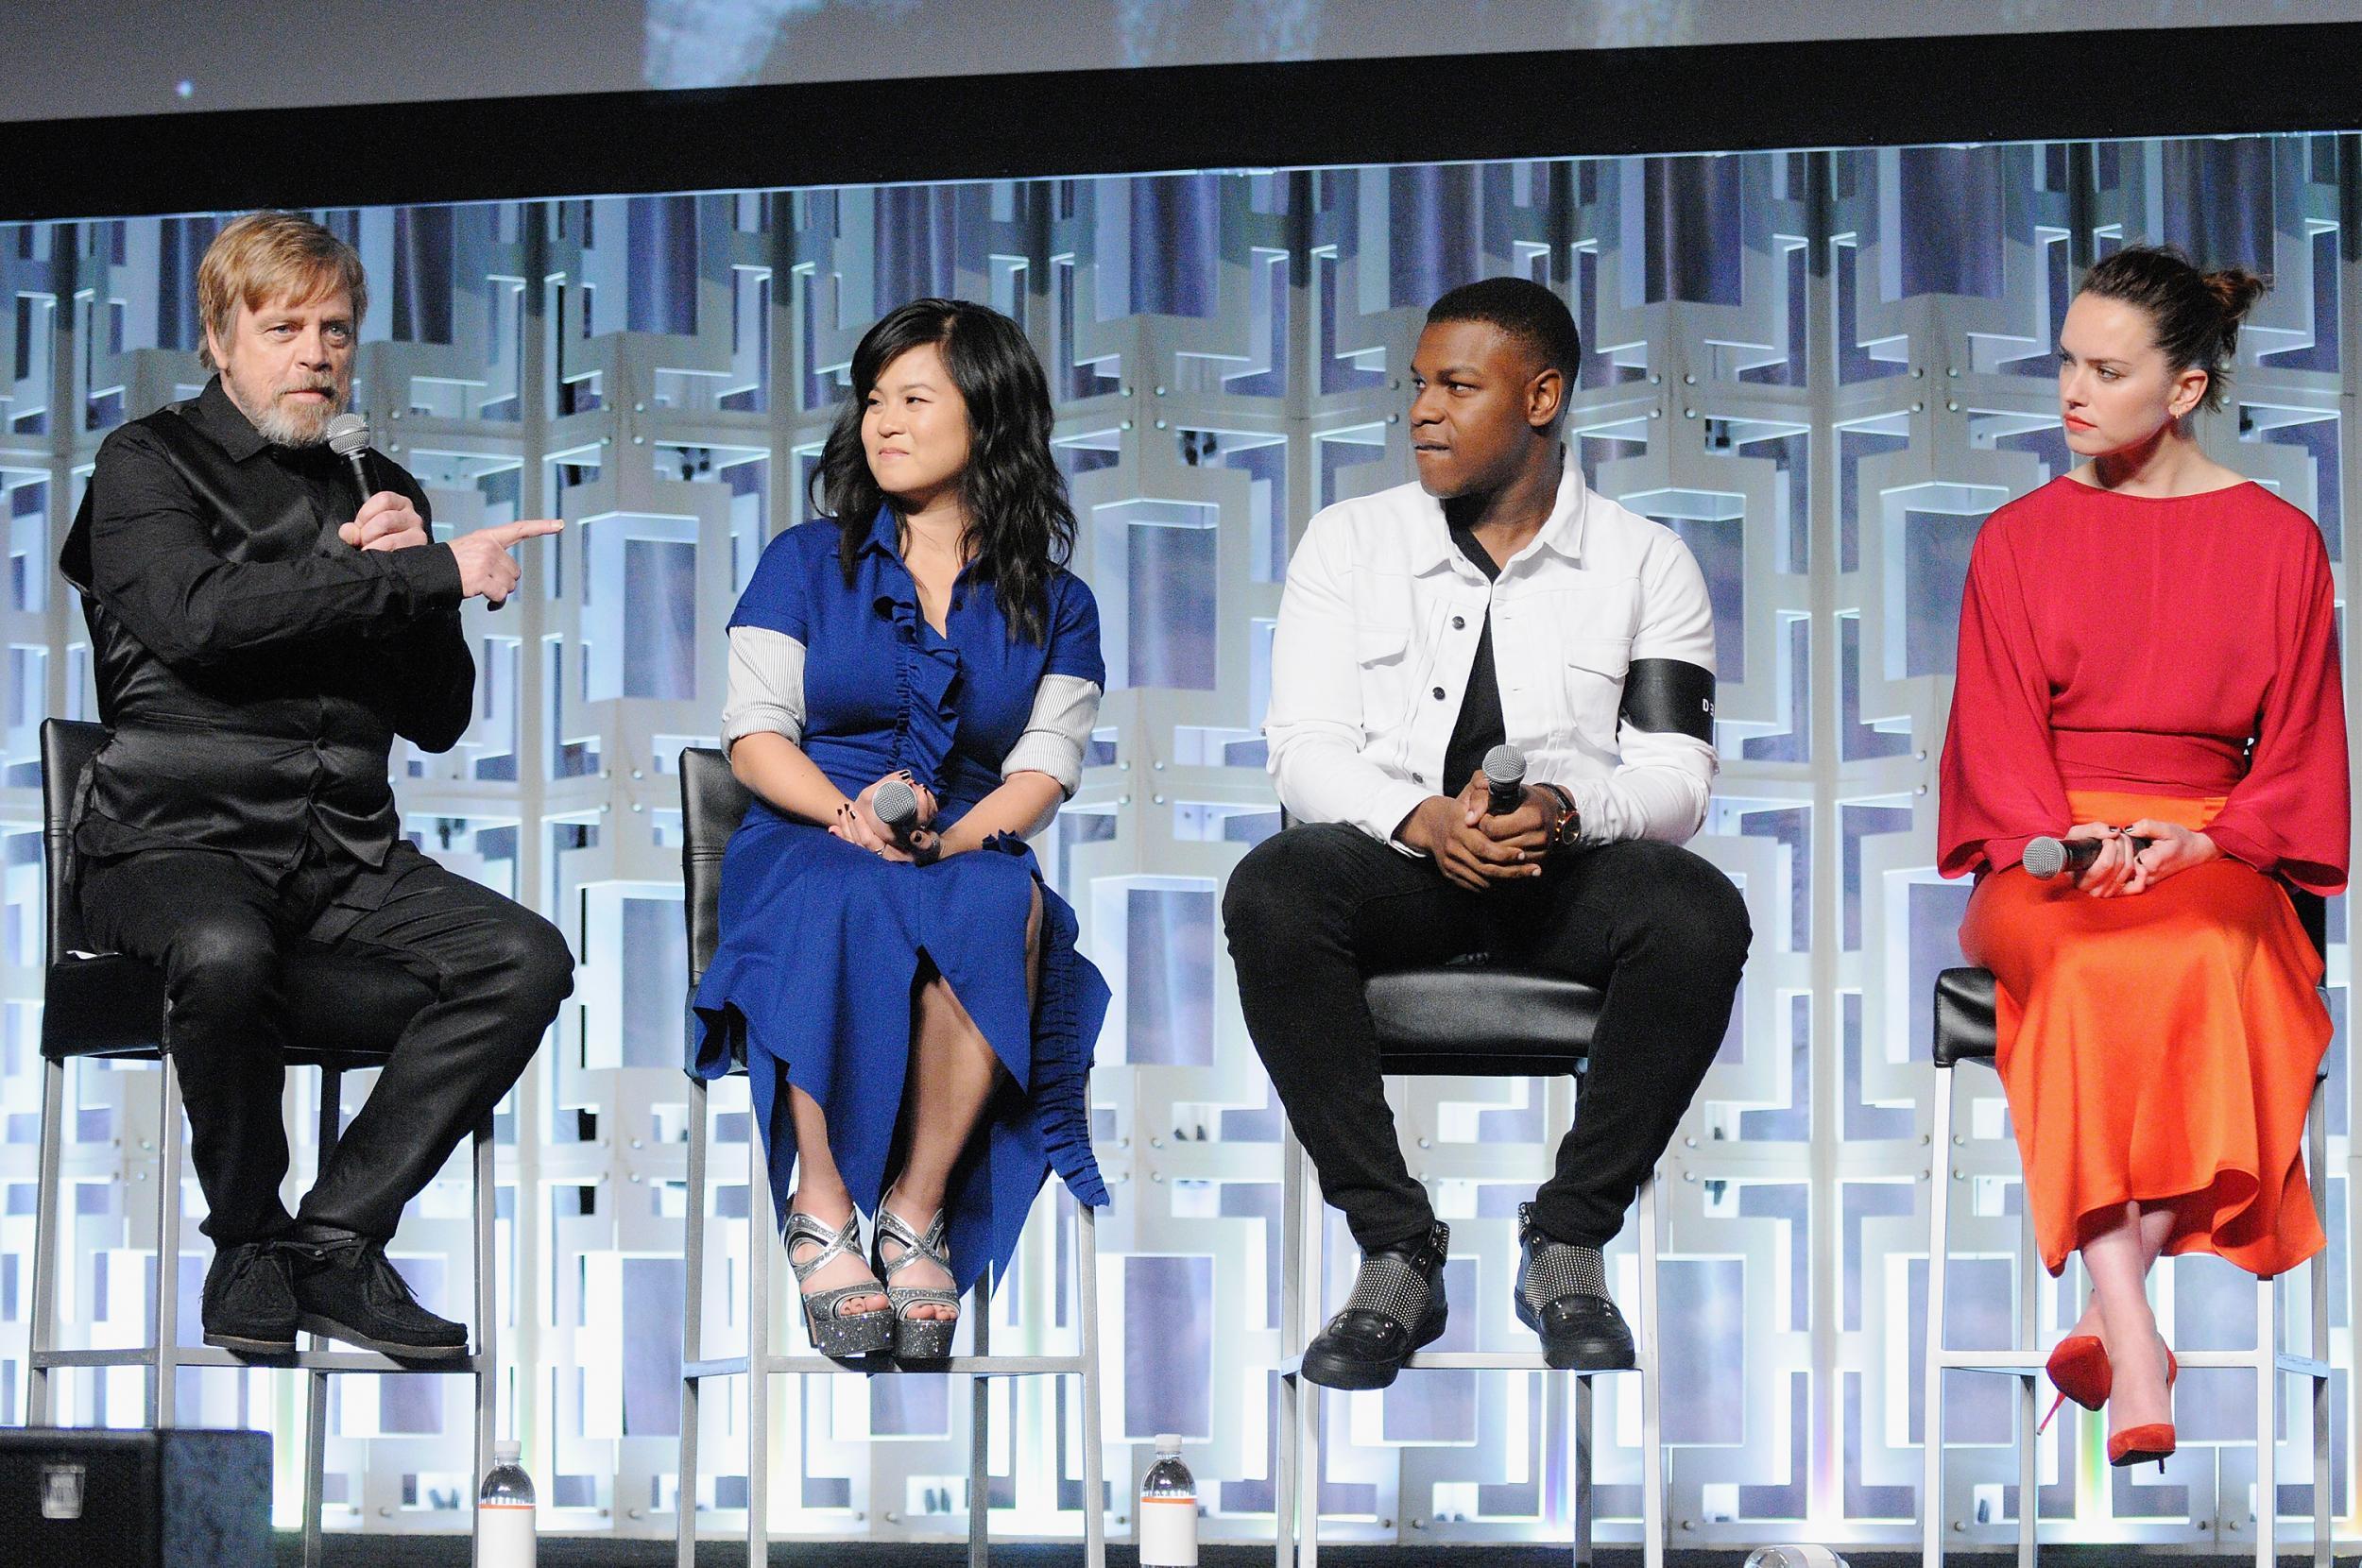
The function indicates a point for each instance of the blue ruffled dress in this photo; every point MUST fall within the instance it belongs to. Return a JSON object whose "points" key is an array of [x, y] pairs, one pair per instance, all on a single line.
{"points": [[822, 940]]}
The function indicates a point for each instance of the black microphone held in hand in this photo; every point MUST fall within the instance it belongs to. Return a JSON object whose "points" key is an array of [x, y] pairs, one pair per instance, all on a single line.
{"points": [[2044, 858], [1504, 779]]}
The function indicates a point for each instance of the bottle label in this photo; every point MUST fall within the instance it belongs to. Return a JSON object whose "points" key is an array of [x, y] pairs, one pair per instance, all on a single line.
{"points": [[1168, 1532], [504, 1535]]}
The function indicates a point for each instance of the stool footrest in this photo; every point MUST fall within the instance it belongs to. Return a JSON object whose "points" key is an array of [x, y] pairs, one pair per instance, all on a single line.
{"points": [[1469, 1360], [303, 1360], [972, 1366]]}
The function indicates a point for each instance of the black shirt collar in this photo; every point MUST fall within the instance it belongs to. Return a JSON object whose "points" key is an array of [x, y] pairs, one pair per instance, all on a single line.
{"points": [[224, 424]]}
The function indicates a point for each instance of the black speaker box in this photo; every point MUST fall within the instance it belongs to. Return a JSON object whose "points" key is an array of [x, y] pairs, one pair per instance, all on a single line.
{"points": [[83, 1498]]}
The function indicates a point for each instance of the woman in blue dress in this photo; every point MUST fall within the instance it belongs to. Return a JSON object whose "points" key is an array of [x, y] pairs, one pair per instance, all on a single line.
{"points": [[916, 1024]]}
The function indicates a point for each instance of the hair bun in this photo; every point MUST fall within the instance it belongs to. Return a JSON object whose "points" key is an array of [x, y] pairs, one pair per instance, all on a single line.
{"points": [[2236, 289]]}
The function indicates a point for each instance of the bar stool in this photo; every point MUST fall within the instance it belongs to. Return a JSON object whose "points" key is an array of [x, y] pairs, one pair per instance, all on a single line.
{"points": [[1964, 1031], [712, 804], [112, 1007], [1469, 1020]]}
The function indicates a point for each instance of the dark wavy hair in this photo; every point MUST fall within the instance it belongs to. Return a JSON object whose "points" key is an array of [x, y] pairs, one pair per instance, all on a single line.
{"points": [[1020, 526], [2196, 315]]}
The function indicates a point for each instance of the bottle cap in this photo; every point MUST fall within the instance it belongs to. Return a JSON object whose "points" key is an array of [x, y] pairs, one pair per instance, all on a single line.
{"points": [[507, 1451], [1167, 1442]]}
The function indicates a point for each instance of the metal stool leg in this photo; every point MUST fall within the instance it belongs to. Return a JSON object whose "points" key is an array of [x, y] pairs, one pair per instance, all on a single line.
{"points": [[166, 1372], [1579, 1454], [488, 1361], [1651, 1414], [2029, 1450], [332, 1127], [760, 1243], [315, 1463], [1094, 1459], [980, 1430], [1311, 1272], [1931, 1498], [692, 1334], [49, 1227], [2269, 1387], [1291, 1391], [2316, 1279]]}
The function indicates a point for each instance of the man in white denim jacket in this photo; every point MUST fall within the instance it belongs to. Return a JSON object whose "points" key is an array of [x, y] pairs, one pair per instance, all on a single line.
{"points": [[1498, 601]]}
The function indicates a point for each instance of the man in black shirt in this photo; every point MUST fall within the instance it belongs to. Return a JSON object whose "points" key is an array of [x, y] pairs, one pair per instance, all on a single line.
{"points": [[261, 631]]}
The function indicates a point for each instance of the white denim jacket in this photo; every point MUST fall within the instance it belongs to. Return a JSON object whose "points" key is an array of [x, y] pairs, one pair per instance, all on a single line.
{"points": [[1379, 627]]}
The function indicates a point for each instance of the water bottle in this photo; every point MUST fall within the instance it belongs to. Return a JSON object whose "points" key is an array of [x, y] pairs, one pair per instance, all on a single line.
{"points": [[1169, 1510], [1794, 1557], [504, 1512]]}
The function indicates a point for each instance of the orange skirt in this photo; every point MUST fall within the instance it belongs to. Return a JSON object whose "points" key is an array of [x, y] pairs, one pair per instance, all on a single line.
{"points": [[2158, 1049]]}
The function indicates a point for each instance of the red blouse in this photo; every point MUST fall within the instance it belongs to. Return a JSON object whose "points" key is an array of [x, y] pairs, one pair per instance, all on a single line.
{"points": [[2184, 646]]}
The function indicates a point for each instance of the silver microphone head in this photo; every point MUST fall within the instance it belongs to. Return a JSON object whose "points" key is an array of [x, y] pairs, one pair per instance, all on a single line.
{"points": [[2044, 858], [1505, 766], [348, 434], [897, 804]]}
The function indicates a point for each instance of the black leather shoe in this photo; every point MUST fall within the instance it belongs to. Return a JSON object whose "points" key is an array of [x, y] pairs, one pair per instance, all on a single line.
{"points": [[250, 1304], [346, 1290], [1397, 1306], [1562, 1295]]}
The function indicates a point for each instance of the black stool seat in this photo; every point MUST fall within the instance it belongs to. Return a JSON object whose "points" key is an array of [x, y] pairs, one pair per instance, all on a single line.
{"points": [[354, 1009], [1965, 1020], [1493, 1020]]}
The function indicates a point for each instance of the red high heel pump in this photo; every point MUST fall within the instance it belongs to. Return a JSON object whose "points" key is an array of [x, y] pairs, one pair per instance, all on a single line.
{"points": [[2079, 1370], [2140, 1444], [2137, 1445]]}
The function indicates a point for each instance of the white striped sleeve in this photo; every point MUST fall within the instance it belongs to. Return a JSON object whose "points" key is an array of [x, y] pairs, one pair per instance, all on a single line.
{"points": [[766, 687], [1064, 708]]}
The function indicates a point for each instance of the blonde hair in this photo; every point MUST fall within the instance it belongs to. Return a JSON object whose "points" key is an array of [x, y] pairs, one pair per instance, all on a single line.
{"points": [[267, 256]]}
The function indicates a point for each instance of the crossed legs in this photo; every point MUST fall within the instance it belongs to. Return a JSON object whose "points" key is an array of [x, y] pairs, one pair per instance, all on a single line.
{"points": [[2118, 1260]]}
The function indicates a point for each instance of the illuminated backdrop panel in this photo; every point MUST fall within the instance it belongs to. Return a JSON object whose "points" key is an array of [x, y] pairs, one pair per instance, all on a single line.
{"points": [[1823, 369]]}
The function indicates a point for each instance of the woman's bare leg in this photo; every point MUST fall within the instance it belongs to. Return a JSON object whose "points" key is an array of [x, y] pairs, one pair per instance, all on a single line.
{"points": [[953, 1073], [2118, 1260], [820, 1192], [2156, 1229]]}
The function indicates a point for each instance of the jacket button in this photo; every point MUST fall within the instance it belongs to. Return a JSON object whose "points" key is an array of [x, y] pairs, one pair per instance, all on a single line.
{"points": [[1458, 622], [1418, 779], [1439, 693]]}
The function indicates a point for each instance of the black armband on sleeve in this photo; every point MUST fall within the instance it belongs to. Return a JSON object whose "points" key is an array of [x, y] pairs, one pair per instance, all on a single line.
{"points": [[1669, 695]]}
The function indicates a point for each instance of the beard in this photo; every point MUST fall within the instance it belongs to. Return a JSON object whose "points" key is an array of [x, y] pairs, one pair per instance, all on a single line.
{"points": [[284, 424]]}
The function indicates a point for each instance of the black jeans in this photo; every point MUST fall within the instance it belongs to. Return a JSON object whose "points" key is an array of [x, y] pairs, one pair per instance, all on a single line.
{"points": [[1315, 910], [216, 927]]}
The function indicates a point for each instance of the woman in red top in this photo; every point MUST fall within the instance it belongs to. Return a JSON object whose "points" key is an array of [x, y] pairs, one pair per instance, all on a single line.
{"points": [[2148, 651]]}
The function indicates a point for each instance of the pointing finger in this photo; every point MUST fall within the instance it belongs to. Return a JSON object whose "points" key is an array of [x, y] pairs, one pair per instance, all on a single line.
{"points": [[508, 534]]}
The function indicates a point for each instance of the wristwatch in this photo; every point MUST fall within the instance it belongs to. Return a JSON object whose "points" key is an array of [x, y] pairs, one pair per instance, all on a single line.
{"points": [[1567, 831]]}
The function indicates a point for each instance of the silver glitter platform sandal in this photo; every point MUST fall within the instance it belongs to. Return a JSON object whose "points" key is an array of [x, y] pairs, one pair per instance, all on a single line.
{"points": [[841, 1335], [914, 1338]]}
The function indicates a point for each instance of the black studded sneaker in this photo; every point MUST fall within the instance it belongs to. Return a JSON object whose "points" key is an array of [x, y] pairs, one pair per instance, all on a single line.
{"points": [[250, 1302], [346, 1290], [1397, 1306], [1562, 1295]]}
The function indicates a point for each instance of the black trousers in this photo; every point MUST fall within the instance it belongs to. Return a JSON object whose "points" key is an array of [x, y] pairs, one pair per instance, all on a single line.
{"points": [[217, 928], [1315, 910]]}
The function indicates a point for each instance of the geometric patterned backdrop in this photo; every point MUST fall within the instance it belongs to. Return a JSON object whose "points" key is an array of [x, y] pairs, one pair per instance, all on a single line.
{"points": [[1824, 368]]}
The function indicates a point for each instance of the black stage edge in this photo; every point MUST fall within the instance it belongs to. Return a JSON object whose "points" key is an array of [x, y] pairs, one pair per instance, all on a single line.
{"points": [[576, 1552], [1456, 108]]}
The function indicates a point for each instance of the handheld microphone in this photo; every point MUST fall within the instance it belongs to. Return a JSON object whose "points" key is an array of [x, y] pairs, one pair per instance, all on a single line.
{"points": [[895, 804], [1505, 777], [2044, 858], [348, 438]]}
